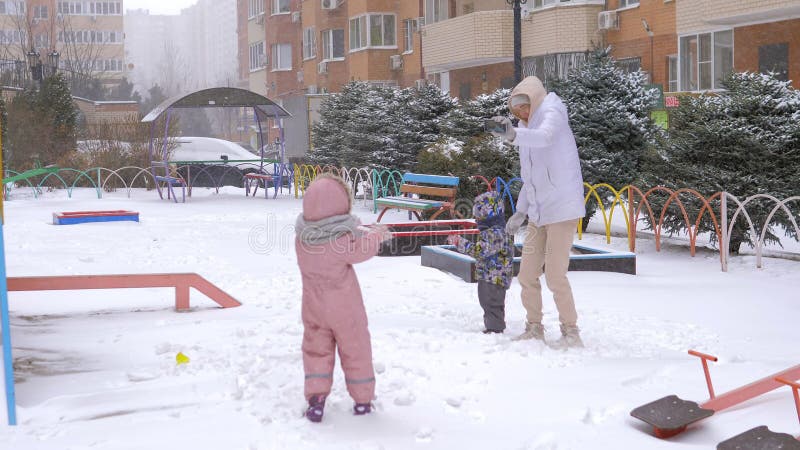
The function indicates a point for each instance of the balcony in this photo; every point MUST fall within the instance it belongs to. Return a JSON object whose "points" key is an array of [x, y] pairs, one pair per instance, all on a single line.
{"points": [[476, 39], [560, 29], [713, 14]]}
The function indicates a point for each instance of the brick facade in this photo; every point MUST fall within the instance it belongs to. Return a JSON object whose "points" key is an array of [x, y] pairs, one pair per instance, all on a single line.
{"points": [[109, 112], [748, 40], [632, 40]]}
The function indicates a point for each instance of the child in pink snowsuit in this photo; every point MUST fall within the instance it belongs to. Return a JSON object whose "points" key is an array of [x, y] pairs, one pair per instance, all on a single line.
{"points": [[328, 243]]}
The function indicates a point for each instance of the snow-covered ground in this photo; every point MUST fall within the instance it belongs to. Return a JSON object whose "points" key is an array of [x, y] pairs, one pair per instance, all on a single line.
{"points": [[97, 369]]}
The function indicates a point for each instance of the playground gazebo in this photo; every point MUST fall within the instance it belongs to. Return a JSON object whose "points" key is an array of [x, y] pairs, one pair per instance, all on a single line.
{"points": [[263, 108]]}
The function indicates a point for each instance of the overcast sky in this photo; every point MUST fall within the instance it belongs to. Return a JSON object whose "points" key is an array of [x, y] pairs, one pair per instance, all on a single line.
{"points": [[159, 6]]}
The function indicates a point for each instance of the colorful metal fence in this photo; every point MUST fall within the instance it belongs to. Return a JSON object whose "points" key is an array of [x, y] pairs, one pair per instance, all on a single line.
{"points": [[634, 204]]}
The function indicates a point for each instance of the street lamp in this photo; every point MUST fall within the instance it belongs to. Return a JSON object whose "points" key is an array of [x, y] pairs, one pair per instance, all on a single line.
{"points": [[35, 63], [52, 60], [38, 71], [651, 34], [517, 37]]}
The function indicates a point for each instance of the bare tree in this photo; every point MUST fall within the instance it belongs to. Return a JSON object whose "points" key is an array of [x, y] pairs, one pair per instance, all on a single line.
{"points": [[81, 50], [174, 70]]}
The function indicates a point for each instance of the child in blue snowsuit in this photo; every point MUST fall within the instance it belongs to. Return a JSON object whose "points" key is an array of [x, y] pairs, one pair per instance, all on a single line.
{"points": [[494, 256]]}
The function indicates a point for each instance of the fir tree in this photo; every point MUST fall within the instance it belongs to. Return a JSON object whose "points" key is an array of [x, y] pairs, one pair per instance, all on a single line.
{"points": [[744, 140], [466, 121], [377, 126], [609, 116], [44, 124], [125, 92], [155, 96]]}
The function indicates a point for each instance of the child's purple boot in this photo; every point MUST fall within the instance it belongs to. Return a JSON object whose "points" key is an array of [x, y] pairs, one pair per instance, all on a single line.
{"points": [[362, 408], [316, 405]]}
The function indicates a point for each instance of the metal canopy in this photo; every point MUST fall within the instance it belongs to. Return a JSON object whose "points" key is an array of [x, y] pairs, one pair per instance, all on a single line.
{"points": [[222, 97]]}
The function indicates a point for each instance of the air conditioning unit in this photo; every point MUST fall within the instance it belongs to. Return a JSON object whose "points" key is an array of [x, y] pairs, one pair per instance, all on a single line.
{"points": [[296, 17], [420, 22], [419, 84], [312, 89], [329, 4], [299, 76], [260, 19], [322, 67], [396, 62], [262, 60], [608, 20]]}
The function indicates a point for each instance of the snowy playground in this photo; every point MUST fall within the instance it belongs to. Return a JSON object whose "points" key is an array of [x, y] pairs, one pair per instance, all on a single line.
{"points": [[98, 369]]}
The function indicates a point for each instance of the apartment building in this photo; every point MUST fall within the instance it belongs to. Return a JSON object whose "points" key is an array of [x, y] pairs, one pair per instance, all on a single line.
{"points": [[87, 36], [688, 46], [682, 45], [716, 36], [468, 45], [299, 50]]}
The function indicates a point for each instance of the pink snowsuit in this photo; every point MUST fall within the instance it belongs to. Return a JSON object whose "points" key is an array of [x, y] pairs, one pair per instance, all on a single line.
{"points": [[333, 310]]}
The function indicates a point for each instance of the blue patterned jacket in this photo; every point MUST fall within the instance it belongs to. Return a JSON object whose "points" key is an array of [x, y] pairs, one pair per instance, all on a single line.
{"points": [[494, 248]]}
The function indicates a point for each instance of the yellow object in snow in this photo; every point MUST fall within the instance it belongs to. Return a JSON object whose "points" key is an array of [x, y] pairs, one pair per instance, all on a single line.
{"points": [[180, 358]]}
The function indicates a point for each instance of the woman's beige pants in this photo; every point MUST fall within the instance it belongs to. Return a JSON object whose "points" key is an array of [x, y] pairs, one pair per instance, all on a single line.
{"points": [[546, 250]]}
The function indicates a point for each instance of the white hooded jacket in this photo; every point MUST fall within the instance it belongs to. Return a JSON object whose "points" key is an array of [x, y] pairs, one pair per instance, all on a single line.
{"points": [[552, 188]]}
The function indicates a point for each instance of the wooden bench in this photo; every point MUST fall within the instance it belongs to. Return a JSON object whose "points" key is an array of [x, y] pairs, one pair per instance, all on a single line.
{"points": [[442, 188]]}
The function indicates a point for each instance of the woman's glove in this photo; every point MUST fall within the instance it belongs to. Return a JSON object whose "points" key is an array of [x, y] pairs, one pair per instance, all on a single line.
{"points": [[515, 222], [509, 134]]}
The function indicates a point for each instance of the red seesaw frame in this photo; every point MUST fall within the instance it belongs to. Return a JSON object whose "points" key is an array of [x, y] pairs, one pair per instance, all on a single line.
{"points": [[795, 387], [717, 403]]}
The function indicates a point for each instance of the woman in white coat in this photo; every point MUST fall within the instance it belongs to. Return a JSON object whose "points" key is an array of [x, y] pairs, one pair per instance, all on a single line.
{"points": [[551, 199]]}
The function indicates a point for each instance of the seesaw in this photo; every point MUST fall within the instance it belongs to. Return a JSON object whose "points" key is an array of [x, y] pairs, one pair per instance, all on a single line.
{"points": [[762, 438], [671, 415]]}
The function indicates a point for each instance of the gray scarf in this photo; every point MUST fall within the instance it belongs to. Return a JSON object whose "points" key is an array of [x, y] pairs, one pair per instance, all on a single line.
{"points": [[326, 230]]}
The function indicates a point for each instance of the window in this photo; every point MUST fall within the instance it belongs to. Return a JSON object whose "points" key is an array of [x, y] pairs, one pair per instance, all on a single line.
{"points": [[280, 7], [774, 58], [254, 8], [704, 59], [12, 7], [464, 91], [436, 11], [373, 30], [281, 57], [40, 41], [628, 3], [672, 73], [71, 8], [258, 58], [332, 44], [629, 65], [40, 12], [553, 66], [103, 8], [382, 30], [358, 33], [409, 28], [309, 43]]}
